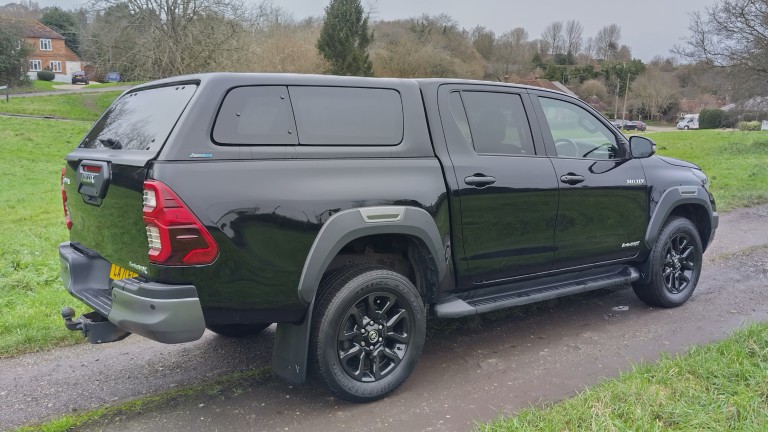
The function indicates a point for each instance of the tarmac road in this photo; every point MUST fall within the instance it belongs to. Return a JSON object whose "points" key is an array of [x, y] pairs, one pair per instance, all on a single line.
{"points": [[465, 375]]}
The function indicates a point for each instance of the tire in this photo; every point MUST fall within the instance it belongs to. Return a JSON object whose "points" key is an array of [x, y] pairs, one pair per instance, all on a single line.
{"points": [[686, 128], [675, 265], [237, 330], [380, 344]]}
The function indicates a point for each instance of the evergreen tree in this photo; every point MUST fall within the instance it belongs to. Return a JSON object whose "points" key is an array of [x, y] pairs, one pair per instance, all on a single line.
{"points": [[64, 23], [344, 39], [13, 54]]}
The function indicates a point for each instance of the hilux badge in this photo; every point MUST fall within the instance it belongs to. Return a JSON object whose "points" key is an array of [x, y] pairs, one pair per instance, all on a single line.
{"points": [[632, 244], [636, 181], [87, 178]]}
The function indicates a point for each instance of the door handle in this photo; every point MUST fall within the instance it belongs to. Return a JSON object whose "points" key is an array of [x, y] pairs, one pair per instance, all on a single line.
{"points": [[572, 179], [479, 180]]}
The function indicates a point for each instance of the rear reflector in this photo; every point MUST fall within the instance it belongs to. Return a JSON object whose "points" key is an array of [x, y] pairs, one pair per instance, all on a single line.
{"points": [[67, 217], [94, 169], [174, 235]]}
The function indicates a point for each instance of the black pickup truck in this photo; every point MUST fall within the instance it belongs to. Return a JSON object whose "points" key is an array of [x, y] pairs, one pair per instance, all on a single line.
{"points": [[349, 210]]}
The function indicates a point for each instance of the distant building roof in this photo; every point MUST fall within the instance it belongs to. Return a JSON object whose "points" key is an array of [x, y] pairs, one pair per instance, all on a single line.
{"points": [[34, 29], [551, 85]]}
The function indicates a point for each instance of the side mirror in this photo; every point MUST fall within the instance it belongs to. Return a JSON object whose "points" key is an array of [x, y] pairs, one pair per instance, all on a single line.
{"points": [[641, 147]]}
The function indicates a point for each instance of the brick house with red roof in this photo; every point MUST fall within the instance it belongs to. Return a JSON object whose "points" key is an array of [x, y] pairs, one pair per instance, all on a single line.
{"points": [[49, 52]]}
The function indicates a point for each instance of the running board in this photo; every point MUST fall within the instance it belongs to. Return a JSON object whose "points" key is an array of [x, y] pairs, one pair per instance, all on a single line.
{"points": [[519, 294]]}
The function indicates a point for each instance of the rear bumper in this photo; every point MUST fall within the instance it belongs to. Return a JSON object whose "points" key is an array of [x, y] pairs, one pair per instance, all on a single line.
{"points": [[161, 312]]}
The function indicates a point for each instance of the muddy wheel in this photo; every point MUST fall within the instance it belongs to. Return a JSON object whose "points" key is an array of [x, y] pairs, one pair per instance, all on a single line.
{"points": [[368, 331], [237, 330], [675, 265]]}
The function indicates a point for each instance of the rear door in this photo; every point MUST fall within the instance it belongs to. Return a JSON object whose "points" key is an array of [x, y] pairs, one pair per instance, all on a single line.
{"points": [[104, 175], [506, 184], [603, 210]]}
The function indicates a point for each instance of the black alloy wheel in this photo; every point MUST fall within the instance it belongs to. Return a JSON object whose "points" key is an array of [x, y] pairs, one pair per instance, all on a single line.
{"points": [[673, 266], [374, 336], [368, 331], [679, 264]]}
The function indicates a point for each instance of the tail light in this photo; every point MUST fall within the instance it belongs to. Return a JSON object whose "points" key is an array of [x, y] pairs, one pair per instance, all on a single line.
{"points": [[174, 235], [67, 217]]}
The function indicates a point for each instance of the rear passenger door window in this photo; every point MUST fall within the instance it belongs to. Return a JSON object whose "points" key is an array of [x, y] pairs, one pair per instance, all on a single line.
{"points": [[256, 116], [498, 123], [348, 116]]}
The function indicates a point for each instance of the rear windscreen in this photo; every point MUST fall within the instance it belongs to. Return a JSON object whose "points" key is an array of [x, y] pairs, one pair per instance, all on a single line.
{"points": [[140, 120]]}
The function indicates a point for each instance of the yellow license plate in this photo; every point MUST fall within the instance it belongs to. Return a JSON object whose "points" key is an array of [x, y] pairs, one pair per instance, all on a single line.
{"points": [[116, 273]]}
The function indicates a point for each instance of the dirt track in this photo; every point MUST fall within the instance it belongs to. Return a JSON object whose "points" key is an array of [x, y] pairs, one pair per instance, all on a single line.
{"points": [[465, 375]]}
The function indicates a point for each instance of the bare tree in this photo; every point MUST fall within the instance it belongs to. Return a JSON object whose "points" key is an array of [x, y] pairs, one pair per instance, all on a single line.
{"points": [[573, 37], [512, 53], [655, 91], [24, 9], [732, 35], [553, 36], [607, 42], [170, 37], [483, 39]]}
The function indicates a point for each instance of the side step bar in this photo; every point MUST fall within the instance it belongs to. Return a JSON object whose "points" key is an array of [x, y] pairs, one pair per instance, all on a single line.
{"points": [[516, 295]]}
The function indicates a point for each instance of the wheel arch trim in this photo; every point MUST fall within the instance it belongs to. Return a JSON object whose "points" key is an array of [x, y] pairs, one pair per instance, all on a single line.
{"points": [[349, 225], [673, 198]]}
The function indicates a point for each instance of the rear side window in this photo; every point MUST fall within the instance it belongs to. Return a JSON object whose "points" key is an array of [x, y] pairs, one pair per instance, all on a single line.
{"points": [[256, 116], [498, 123], [140, 120], [347, 116]]}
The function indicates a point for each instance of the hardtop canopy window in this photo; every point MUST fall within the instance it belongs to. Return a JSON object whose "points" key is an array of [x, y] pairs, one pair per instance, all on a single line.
{"points": [[348, 116], [317, 116], [140, 120]]}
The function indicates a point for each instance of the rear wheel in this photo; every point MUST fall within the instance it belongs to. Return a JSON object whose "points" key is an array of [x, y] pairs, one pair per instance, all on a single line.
{"points": [[368, 331], [237, 330], [675, 265]]}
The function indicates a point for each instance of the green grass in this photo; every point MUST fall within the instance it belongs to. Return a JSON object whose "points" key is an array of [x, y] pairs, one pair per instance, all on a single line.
{"points": [[718, 387], [31, 226], [114, 84], [223, 387], [86, 106], [736, 162]]}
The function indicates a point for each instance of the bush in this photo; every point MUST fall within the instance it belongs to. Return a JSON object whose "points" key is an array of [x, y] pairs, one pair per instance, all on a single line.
{"points": [[45, 75], [711, 118], [748, 126]]}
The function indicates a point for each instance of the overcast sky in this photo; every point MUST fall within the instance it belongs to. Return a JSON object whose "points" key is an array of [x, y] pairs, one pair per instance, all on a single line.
{"points": [[649, 27]]}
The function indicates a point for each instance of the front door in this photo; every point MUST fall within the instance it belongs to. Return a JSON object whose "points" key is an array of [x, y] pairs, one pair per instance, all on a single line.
{"points": [[506, 184], [603, 210]]}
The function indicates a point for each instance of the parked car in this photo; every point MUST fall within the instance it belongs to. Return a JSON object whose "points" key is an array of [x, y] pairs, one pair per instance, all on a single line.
{"points": [[112, 77], [80, 77], [348, 210], [619, 123], [635, 125]]}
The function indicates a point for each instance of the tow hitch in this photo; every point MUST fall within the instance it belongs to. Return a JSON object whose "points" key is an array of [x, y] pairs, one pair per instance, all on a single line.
{"points": [[94, 327]]}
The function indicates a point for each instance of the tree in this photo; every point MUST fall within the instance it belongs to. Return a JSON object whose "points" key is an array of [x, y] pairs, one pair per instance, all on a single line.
{"points": [[24, 9], [13, 53], [64, 23], [511, 53], [153, 39], [607, 42], [553, 36], [344, 39], [483, 39], [573, 37], [656, 92], [731, 33]]}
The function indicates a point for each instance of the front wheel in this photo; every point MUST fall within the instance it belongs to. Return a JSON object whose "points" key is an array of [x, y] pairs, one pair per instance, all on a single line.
{"points": [[368, 331], [675, 265]]}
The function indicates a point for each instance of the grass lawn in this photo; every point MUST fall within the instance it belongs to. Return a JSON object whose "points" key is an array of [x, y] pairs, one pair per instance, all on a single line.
{"points": [[86, 106], [717, 387], [736, 162], [32, 224]]}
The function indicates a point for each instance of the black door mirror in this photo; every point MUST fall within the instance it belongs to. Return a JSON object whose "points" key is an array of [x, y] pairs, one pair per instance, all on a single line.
{"points": [[641, 147]]}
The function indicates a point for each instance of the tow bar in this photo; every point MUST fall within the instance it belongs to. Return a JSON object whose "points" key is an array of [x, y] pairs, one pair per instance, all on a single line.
{"points": [[94, 327]]}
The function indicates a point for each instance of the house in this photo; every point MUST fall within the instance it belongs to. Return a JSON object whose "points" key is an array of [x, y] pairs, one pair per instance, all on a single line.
{"points": [[49, 52]]}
